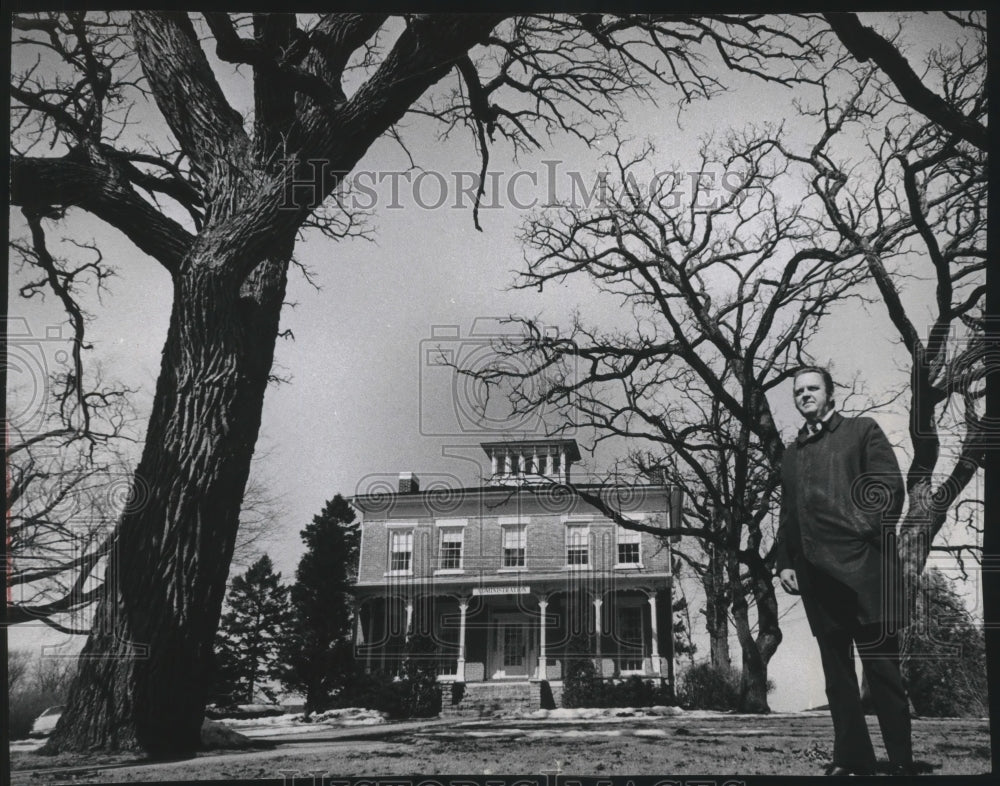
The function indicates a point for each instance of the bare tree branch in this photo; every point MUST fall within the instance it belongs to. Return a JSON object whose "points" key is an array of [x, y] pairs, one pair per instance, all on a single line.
{"points": [[865, 44]]}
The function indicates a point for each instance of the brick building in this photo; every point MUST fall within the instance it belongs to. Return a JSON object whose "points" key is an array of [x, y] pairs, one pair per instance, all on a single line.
{"points": [[513, 579]]}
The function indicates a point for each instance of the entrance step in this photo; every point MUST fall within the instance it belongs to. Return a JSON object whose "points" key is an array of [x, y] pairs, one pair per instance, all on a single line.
{"points": [[479, 699]]}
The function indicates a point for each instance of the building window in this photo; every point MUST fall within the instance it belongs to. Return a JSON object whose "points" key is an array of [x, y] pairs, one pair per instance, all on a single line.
{"points": [[513, 646], [630, 643], [451, 548], [577, 544], [628, 546], [515, 544], [401, 551]]}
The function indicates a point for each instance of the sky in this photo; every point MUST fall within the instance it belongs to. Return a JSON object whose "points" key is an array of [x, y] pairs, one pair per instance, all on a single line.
{"points": [[361, 403]]}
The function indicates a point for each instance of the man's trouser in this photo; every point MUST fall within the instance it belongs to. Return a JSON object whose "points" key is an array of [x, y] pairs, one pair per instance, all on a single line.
{"points": [[879, 653]]}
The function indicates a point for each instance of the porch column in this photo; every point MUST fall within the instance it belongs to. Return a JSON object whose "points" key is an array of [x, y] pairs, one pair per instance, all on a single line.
{"points": [[543, 664], [598, 603], [359, 628], [463, 607], [409, 619], [654, 636], [368, 649], [494, 461], [562, 466]]}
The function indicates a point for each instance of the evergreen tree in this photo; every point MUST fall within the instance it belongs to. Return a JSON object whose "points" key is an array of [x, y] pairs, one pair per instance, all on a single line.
{"points": [[684, 645], [944, 653], [250, 632], [317, 653]]}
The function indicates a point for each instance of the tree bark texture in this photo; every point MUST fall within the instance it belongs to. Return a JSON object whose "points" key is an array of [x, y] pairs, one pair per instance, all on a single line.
{"points": [[142, 681], [143, 674]]}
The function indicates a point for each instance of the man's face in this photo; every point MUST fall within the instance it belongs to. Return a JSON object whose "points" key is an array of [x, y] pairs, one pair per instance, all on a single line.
{"points": [[811, 398]]}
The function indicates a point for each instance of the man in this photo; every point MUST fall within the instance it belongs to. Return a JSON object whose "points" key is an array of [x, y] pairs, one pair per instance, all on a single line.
{"points": [[842, 494]]}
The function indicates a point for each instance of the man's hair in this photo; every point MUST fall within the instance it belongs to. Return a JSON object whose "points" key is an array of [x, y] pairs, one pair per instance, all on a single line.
{"points": [[827, 379]]}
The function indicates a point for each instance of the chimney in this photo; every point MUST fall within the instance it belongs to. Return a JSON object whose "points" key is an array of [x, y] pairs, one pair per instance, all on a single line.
{"points": [[408, 483]]}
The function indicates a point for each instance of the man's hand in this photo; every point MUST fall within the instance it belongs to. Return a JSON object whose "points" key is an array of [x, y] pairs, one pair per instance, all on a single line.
{"points": [[789, 581]]}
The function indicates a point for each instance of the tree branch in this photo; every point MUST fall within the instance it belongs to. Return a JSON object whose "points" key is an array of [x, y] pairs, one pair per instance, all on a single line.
{"points": [[208, 129], [865, 44], [71, 181]]}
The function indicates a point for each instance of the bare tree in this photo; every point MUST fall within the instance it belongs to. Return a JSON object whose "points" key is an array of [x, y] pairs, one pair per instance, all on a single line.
{"points": [[706, 561], [722, 291], [53, 675], [64, 496], [219, 201], [18, 667], [865, 44], [62, 504], [259, 512], [70, 457], [69, 434], [914, 205]]}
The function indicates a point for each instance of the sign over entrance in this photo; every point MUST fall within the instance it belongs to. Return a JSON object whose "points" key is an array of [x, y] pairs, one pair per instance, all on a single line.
{"points": [[512, 589]]}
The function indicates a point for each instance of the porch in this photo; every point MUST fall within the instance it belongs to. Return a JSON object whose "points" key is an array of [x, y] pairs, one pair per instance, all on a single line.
{"points": [[525, 638]]}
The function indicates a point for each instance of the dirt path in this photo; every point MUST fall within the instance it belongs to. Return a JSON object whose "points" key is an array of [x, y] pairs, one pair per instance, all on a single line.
{"points": [[719, 744]]}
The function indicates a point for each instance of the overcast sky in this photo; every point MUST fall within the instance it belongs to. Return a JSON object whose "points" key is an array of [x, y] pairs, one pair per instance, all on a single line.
{"points": [[361, 404]]}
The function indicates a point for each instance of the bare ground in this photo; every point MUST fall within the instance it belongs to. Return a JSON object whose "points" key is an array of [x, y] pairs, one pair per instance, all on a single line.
{"points": [[713, 744]]}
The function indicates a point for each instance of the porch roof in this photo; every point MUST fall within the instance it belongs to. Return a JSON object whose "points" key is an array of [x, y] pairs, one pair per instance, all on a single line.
{"points": [[519, 582]]}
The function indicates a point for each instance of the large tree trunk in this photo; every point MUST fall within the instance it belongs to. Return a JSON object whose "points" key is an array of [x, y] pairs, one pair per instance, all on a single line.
{"points": [[717, 611], [757, 651], [143, 673]]}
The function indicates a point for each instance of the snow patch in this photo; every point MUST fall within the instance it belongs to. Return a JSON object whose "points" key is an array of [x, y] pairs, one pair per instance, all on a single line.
{"points": [[602, 713], [350, 716], [271, 720], [296, 723], [216, 735]]}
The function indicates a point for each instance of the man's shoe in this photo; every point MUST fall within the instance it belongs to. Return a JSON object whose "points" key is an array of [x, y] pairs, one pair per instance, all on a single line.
{"points": [[838, 770], [903, 769]]}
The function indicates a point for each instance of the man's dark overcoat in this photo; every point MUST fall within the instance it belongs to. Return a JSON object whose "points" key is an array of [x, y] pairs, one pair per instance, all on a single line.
{"points": [[842, 495]]}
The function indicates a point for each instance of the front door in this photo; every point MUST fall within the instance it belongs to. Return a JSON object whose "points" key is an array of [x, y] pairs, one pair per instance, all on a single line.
{"points": [[512, 647]]}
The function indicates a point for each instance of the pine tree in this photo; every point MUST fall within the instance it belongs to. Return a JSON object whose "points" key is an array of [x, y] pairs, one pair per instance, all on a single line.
{"points": [[317, 653], [250, 632]]}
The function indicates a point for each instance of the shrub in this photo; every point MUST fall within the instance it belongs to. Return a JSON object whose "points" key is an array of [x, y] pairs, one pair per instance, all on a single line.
{"points": [[633, 692], [706, 687], [581, 688], [421, 693], [415, 693], [376, 690]]}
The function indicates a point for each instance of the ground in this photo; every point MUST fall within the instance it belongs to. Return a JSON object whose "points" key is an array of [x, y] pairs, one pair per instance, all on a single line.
{"points": [[685, 743]]}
